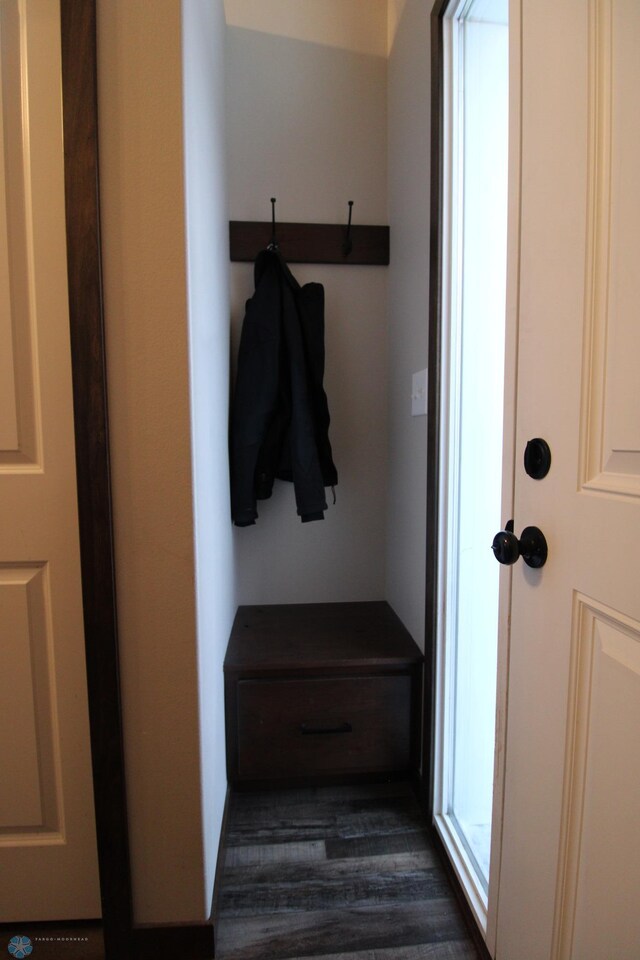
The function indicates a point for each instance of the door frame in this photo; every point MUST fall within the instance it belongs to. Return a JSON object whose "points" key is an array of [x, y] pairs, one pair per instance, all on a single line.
{"points": [[86, 319], [434, 413], [123, 938], [433, 396]]}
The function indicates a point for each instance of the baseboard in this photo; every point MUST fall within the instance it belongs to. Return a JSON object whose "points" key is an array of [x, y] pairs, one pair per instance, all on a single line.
{"points": [[222, 852], [189, 941]]}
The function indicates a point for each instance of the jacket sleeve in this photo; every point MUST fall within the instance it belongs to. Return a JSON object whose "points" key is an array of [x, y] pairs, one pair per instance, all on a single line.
{"points": [[305, 465], [255, 393], [311, 304]]}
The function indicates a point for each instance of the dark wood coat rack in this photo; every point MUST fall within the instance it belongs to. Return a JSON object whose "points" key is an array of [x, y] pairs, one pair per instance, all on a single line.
{"points": [[311, 242]]}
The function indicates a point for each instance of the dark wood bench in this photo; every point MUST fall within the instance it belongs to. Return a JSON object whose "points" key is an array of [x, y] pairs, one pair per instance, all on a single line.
{"points": [[321, 693]]}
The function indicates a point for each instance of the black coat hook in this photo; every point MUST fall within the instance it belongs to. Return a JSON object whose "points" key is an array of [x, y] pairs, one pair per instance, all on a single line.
{"points": [[274, 244], [347, 246]]}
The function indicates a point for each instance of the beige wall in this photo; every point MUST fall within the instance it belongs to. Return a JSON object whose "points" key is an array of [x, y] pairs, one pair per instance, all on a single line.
{"points": [[174, 798], [409, 153], [306, 123], [356, 25]]}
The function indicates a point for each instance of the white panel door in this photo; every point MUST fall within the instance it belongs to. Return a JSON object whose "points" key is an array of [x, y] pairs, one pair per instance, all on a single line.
{"points": [[48, 859], [570, 868]]}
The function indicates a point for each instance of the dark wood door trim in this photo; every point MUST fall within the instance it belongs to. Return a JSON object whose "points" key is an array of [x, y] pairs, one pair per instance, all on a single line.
{"points": [[433, 399], [80, 118]]}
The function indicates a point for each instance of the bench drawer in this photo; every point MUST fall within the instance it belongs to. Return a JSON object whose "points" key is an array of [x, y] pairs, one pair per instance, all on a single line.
{"points": [[335, 725]]}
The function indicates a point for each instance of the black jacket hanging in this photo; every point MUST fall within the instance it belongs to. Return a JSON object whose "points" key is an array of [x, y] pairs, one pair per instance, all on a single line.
{"points": [[280, 416]]}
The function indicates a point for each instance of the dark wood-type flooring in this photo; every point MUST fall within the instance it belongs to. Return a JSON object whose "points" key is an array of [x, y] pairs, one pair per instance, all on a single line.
{"points": [[344, 873]]}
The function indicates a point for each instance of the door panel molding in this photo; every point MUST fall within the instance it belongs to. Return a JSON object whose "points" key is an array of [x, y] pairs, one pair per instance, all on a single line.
{"points": [[610, 444], [20, 423], [35, 815], [605, 658]]}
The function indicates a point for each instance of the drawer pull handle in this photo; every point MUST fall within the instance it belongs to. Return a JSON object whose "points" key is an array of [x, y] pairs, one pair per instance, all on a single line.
{"points": [[311, 728]]}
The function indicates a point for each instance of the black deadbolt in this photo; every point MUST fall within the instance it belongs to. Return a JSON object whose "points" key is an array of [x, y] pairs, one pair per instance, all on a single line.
{"points": [[532, 547], [537, 458]]}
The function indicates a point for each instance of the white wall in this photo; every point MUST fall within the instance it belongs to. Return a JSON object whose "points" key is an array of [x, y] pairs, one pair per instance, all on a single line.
{"points": [[409, 153], [306, 120], [208, 292], [171, 684]]}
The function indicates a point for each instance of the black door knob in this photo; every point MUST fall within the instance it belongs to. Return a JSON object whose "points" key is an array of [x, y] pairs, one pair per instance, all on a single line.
{"points": [[532, 547]]}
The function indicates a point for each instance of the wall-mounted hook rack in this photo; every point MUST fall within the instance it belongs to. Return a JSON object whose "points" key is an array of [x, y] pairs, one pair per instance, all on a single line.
{"points": [[310, 242]]}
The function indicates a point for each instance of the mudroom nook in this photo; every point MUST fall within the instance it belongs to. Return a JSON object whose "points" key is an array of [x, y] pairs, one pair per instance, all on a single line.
{"points": [[324, 670]]}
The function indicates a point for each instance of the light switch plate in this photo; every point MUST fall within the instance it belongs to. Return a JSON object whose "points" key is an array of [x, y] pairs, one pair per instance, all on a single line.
{"points": [[419, 394]]}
